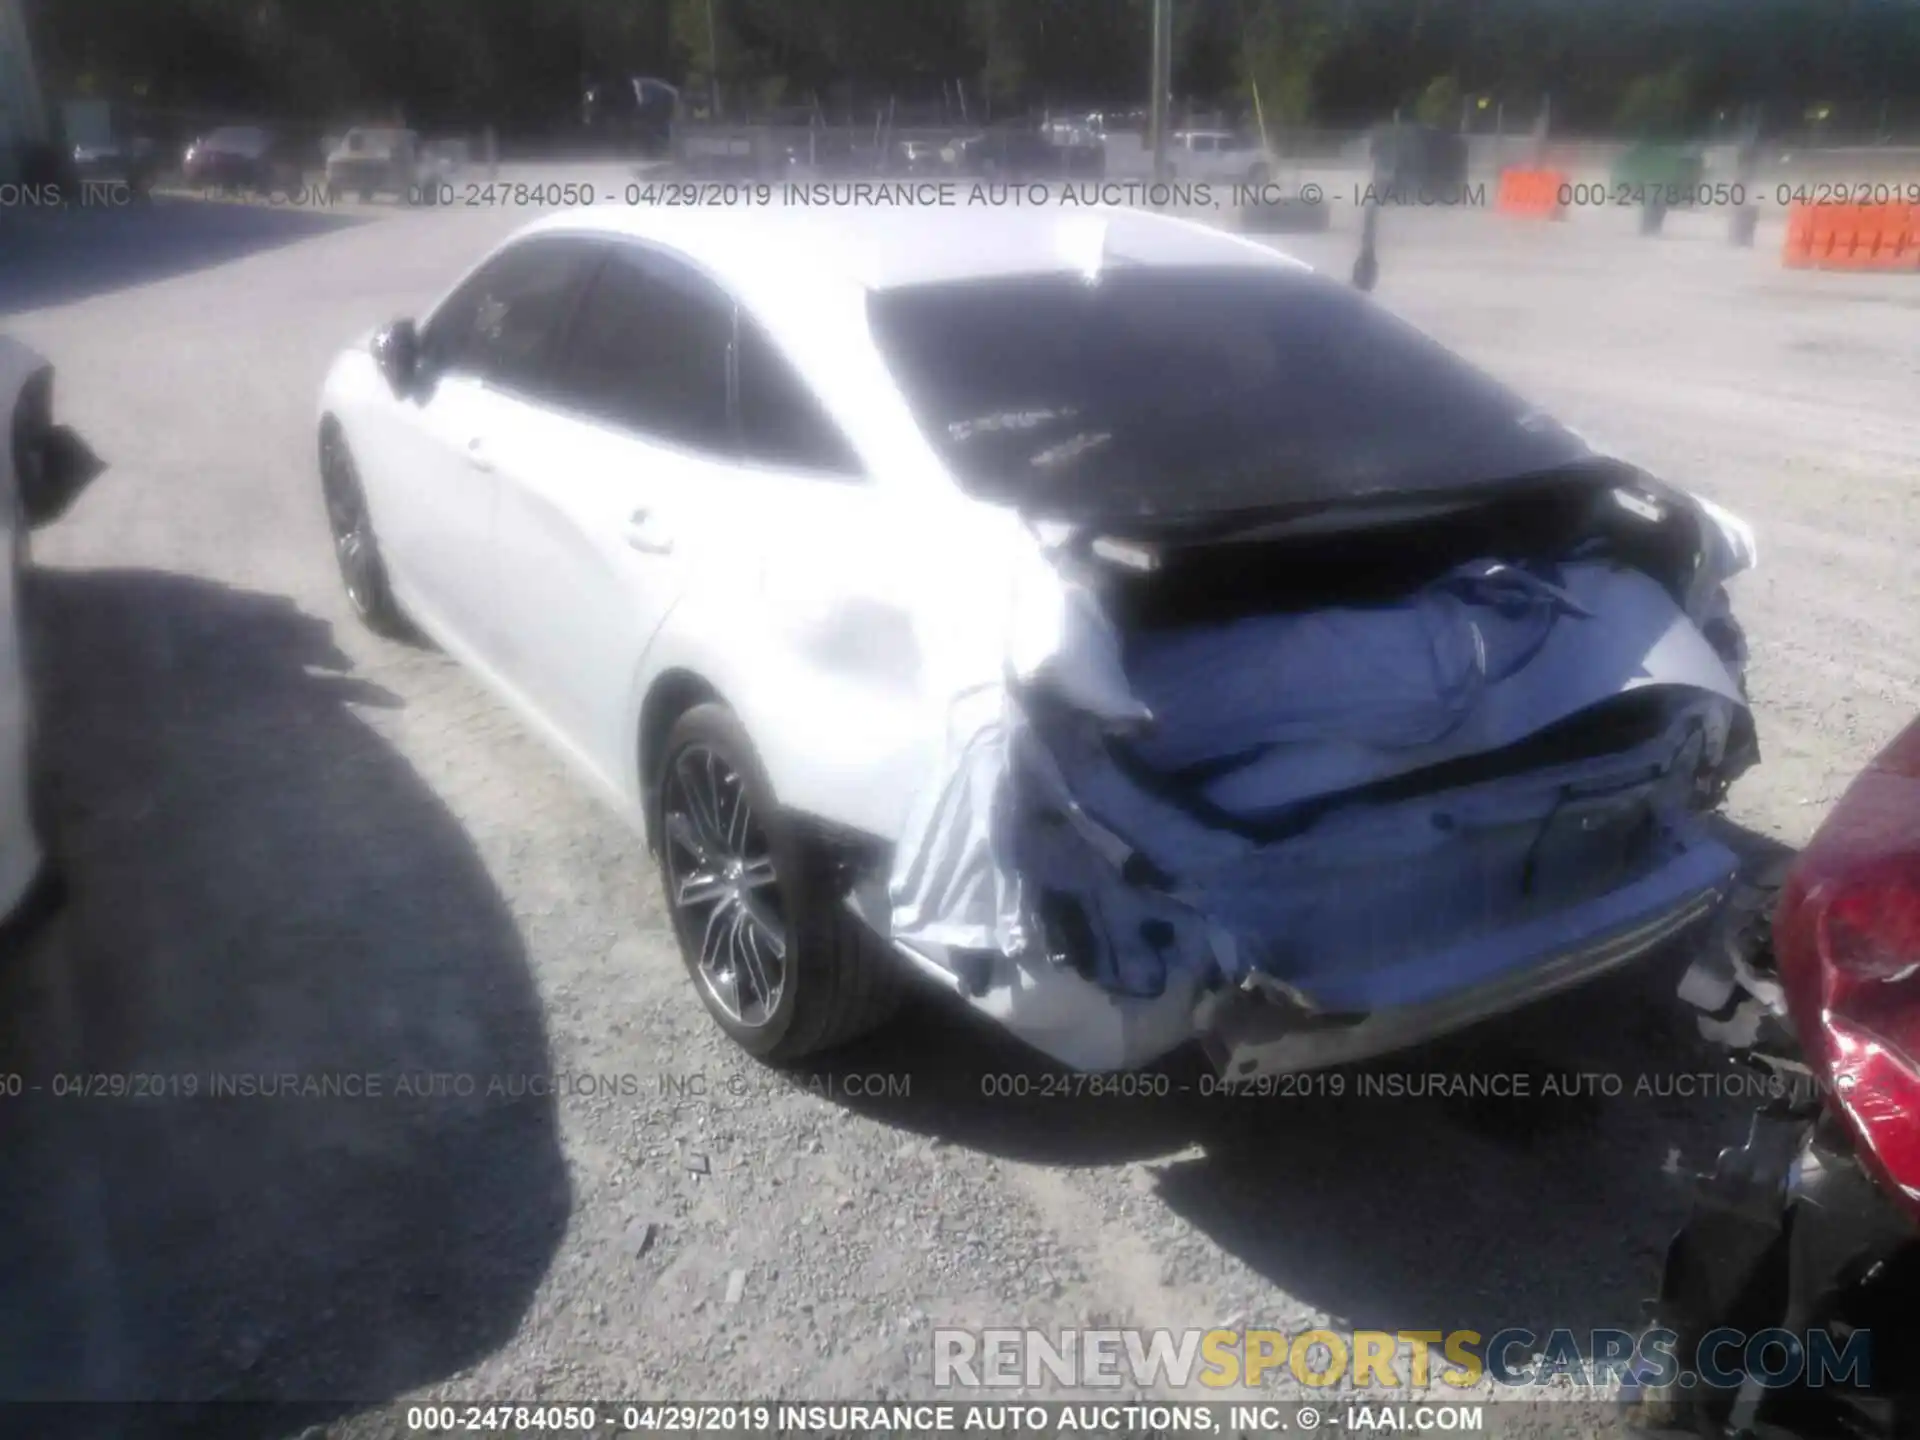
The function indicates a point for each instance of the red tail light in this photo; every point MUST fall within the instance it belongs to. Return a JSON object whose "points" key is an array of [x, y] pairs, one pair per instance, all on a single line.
{"points": [[1867, 938], [1877, 1089], [1871, 930], [1847, 937]]}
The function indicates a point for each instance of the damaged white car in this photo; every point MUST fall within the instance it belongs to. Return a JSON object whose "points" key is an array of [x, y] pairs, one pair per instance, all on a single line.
{"points": [[1134, 631]]}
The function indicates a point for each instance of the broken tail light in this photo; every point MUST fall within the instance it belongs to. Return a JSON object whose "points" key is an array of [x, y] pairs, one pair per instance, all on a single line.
{"points": [[1868, 944], [1870, 931], [1876, 1087]]}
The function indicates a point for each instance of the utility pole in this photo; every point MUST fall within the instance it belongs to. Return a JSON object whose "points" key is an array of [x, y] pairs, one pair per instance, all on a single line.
{"points": [[713, 63], [1162, 84]]}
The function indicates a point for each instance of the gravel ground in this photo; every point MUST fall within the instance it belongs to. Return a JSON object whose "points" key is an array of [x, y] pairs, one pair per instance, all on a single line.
{"points": [[296, 848]]}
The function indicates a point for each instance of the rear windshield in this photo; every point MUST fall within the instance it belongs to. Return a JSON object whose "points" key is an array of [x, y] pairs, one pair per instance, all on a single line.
{"points": [[1172, 392]]}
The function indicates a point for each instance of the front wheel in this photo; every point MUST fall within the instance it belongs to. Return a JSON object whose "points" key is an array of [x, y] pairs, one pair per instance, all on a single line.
{"points": [[778, 960], [363, 572]]}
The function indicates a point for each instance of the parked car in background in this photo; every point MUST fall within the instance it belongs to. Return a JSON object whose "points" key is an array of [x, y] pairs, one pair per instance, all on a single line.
{"points": [[1813, 1224], [110, 146], [246, 157], [1216, 155], [915, 157], [629, 115], [1102, 616], [825, 152], [132, 162], [1022, 151], [380, 160], [43, 467]]}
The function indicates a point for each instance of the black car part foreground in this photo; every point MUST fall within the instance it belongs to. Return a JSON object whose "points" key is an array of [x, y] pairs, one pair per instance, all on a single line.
{"points": [[1790, 1233]]}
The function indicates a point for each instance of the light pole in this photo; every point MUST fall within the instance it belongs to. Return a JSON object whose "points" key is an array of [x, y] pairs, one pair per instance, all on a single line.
{"points": [[713, 63], [1162, 83]]}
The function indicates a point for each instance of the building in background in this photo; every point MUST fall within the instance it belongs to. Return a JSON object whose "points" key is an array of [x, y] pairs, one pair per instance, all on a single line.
{"points": [[23, 114]]}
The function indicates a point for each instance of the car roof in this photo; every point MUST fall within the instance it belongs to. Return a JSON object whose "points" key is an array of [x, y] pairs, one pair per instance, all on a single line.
{"points": [[879, 247]]}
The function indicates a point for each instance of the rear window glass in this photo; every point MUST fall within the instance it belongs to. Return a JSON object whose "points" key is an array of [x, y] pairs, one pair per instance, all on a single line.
{"points": [[1196, 391]]}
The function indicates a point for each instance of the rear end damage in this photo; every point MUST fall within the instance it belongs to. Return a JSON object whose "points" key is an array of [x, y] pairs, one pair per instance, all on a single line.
{"points": [[1310, 787]]}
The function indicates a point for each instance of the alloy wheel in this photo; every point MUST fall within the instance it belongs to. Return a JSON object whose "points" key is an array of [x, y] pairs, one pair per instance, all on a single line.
{"points": [[723, 886], [352, 528]]}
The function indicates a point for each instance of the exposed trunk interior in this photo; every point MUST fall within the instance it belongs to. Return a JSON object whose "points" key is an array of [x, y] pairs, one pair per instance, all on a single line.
{"points": [[1371, 554], [1480, 670], [1372, 757]]}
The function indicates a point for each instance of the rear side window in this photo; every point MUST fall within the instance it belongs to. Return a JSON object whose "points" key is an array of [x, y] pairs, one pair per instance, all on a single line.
{"points": [[650, 351], [505, 324], [782, 422]]}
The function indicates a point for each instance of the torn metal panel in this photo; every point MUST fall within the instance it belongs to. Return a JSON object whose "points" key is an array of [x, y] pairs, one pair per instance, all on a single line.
{"points": [[1423, 811]]}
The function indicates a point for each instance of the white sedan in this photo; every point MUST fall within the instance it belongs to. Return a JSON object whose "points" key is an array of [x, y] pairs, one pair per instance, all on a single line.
{"points": [[1136, 633]]}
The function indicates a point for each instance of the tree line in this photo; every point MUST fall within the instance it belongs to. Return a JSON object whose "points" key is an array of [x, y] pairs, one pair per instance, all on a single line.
{"points": [[1849, 66]]}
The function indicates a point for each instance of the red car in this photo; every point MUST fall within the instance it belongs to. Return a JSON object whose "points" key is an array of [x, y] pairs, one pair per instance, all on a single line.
{"points": [[1814, 1224]]}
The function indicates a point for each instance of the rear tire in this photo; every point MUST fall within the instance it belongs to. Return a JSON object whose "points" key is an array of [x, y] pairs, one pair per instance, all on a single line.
{"points": [[363, 573], [784, 968]]}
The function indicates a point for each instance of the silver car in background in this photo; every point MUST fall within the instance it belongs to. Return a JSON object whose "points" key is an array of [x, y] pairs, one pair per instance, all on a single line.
{"points": [[372, 160]]}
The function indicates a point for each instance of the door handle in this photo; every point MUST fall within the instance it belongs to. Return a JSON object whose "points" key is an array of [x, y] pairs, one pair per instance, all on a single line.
{"points": [[477, 455], [645, 534]]}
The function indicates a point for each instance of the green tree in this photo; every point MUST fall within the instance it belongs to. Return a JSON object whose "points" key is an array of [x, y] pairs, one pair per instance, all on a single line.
{"points": [[1439, 103], [1657, 104], [1283, 44]]}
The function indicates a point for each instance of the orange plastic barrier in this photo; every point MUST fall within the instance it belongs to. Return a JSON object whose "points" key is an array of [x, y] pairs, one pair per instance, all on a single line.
{"points": [[1531, 192], [1853, 237]]}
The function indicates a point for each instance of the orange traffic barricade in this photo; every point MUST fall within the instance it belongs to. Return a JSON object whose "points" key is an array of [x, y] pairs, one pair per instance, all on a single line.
{"points": [[1853, 237], [1537, 193], [1798, 251]]}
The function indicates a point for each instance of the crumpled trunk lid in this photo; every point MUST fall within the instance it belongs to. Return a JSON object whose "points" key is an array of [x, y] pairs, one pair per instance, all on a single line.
{"points": [[1358, 805]]}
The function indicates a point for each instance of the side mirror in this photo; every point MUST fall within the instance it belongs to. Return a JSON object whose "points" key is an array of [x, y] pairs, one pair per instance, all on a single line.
{"points": [[396, 350], [52, 468]]}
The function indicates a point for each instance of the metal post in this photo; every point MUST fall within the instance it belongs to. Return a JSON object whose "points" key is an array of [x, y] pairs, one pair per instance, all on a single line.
{"points": [[713, 63], [1162, 83]]}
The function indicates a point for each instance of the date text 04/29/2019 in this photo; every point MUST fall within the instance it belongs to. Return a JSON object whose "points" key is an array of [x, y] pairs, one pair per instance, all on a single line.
{"points": [[1019, 1419]]}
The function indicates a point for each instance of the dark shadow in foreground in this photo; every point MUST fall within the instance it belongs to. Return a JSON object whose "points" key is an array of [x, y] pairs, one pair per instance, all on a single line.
{"points": [[1511, 1175], [55, 256], [263, 894]]}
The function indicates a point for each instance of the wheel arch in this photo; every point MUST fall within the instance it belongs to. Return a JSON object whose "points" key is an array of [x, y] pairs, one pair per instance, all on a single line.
{"points": [[672, 693]]}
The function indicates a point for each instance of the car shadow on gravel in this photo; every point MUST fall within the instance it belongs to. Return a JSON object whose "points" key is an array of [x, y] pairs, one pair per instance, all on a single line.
{"points": [[1517, 1174], [264, 895], [54, 256]]}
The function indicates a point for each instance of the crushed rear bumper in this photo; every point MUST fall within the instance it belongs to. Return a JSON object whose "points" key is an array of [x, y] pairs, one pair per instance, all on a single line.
{"points": [[1247, 1034]]}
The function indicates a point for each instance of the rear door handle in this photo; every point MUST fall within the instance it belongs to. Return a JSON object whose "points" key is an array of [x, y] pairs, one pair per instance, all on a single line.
{"points": [[477, 455], [646, 534]]}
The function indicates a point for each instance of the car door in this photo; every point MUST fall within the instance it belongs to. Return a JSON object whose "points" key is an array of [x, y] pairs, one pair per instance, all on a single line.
{"points": [[703, 484], [600, 497], [486, 358]]}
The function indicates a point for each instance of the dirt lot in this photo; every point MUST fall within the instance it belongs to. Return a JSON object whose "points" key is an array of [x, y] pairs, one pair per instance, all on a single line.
{"points": [[296, 848]]}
